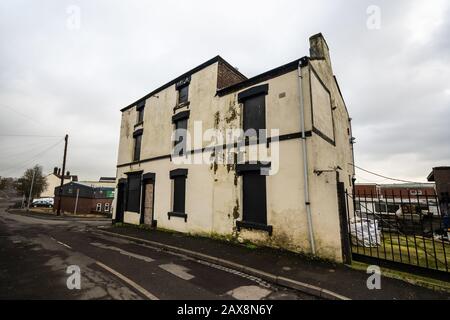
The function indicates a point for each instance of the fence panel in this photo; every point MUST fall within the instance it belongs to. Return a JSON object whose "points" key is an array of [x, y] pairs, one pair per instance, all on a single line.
{"points": [[405, 229]]}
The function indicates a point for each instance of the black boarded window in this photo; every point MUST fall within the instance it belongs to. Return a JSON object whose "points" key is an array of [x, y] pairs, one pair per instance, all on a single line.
{"points": [[180, 136], [254, 108], [178, 177], [134, 192], [137, 147], [140, 110], [255, 113], [254, 197], [183, 94], [140, 115], [179, 194]]}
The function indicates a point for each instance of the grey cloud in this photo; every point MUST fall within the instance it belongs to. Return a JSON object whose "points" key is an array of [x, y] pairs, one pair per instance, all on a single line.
{"points": [[396, 89]]}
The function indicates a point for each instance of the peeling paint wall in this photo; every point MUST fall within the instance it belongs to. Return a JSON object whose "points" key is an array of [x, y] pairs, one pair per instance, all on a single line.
{"points": [[214, 191], [285, 203], [325, 156]]}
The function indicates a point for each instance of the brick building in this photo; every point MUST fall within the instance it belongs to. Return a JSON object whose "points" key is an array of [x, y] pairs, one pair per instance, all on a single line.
{"points": [[397, 189], [86, 197], [54, 180], [441, 177]]}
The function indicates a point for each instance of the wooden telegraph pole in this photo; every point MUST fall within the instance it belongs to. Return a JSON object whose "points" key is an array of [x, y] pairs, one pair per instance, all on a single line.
{"points": [[58, 212]]}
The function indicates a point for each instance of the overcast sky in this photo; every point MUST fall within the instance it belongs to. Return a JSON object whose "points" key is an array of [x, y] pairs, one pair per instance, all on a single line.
{"points": [[70, 66]]}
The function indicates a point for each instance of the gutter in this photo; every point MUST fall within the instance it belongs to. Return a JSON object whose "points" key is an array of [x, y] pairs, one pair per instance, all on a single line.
{"points": [[269, 277]]}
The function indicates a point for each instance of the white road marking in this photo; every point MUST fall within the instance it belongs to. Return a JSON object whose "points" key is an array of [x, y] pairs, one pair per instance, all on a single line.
{"points": [[249, 293], [65, 245], [126, 253], [259, 281], [129, 282], [61, 243], [177, 270]]}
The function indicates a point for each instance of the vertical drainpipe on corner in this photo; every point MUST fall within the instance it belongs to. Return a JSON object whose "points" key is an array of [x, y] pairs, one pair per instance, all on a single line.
{"points": [[305, 161], [353, 165]]}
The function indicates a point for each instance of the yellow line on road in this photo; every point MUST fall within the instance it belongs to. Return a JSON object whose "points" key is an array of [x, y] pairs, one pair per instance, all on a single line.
{"points": [[128, 281]]}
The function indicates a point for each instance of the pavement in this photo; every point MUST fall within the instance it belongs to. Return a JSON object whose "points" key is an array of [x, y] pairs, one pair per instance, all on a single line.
{"points": [[36, 213], [38, 256], [133, 263], [313, 276]]}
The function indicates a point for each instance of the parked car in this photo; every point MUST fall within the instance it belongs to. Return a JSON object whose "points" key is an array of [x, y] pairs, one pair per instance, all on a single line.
{"points": [[47, 203]]}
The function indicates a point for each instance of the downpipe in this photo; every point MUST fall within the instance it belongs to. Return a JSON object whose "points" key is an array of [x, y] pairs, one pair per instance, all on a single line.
{"points": [[305, 162]]}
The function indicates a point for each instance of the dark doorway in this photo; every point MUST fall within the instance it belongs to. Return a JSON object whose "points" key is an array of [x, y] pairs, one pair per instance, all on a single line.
{"points": [[120, 206], [148, 193]]}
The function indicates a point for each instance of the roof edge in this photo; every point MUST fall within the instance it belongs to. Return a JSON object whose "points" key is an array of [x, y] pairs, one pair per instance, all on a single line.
{"points": [[264, 76], [184, 75]]}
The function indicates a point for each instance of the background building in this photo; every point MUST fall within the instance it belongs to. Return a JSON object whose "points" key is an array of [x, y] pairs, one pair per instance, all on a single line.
{"points": [[395, 189], [54, 180], [441, 177], [85, 197]]}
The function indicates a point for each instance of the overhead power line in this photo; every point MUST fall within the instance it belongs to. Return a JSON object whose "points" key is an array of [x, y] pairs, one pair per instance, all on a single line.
{"points": [[382, 176], [20, 150], [34, 120], [28, 135], [33, 158]]}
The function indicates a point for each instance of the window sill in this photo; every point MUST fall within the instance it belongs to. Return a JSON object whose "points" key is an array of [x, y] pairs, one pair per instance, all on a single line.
{"points": [[253, 226], [139, 124], [128, 211], [177, 214], [181, 105]]}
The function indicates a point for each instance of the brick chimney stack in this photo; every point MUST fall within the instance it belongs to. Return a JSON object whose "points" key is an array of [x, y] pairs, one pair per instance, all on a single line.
{"points": [[318, 48]]}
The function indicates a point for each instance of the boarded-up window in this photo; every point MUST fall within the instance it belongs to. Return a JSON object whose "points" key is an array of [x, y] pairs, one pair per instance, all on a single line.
{"points": [[140, 115], [254, 108], [183, 94], [179, 194], [140, 109], [134, 192], [179, 190], [137, 147], [255, 113], [254, 197], [180, 121]]}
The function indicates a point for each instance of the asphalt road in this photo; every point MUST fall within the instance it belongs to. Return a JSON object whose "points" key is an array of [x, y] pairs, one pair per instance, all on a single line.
{"points": [[35, 254]]}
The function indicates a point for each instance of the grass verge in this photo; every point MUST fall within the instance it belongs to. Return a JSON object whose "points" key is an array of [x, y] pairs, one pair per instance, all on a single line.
{"points": [[411, 278]]}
